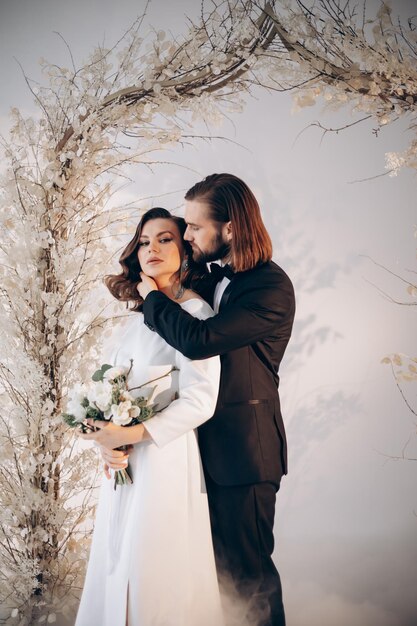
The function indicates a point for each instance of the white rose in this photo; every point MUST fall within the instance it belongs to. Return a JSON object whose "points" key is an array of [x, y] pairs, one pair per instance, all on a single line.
{"points": [[78, 393], [114, 372], [125, 395], [76, 396], [100, 394], [74, 408], [107, 413], [124, 412], [120, 412]]}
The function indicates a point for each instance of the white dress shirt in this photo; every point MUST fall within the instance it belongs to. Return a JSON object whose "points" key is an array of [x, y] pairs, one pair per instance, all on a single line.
{"points": [[219, 290]]}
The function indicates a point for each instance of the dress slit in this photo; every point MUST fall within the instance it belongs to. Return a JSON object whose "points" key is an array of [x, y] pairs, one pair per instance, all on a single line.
{"points": [[127, 604], [151, 560]]}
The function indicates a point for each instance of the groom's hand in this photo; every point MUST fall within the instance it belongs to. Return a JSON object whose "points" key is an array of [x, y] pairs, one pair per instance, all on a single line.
{"points": [[146, 285]]}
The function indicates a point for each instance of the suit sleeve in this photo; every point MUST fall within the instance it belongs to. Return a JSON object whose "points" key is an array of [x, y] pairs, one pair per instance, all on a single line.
{"points": [[260, 312]]}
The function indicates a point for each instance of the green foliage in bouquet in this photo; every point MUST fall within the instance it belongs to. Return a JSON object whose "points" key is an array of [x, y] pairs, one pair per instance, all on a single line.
{"points": [[108, 398]]}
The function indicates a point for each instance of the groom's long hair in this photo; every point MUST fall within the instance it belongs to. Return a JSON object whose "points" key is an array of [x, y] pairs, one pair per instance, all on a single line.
{"points": [[231, 200]]}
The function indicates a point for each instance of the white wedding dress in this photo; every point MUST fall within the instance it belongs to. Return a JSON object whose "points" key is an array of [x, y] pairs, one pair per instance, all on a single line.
{"points": [[151, 560]]}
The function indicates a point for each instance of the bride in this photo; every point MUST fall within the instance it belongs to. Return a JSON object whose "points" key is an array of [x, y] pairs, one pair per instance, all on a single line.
{"points": [[151, 560]]}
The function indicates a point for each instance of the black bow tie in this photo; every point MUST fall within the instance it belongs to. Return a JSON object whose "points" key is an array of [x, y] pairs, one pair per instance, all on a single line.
{"points": [[219, 271]]}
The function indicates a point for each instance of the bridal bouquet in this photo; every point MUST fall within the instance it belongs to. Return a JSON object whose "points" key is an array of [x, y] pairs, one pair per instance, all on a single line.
{"points": [[109, 398]]}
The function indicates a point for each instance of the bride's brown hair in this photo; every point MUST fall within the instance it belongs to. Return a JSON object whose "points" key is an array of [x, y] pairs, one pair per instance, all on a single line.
{"points": [[123, 286]]}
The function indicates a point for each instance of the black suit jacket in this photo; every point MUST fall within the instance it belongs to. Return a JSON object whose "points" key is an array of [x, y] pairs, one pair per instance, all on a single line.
{"points": [[244, 442]]}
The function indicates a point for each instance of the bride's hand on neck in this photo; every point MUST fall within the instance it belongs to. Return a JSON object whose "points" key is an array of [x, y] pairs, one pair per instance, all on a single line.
{"points": [[172, 289], [146, 285]]}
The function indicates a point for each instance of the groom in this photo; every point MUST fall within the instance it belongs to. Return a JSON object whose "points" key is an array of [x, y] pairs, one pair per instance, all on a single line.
{"points": [[243, 446]]}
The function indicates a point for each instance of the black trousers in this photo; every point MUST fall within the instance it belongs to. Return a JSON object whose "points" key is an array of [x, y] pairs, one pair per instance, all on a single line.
{"points": [[242, 520]]}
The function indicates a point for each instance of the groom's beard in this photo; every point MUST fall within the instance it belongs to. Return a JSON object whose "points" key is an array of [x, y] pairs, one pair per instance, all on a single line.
{"points": [[217, 249]]}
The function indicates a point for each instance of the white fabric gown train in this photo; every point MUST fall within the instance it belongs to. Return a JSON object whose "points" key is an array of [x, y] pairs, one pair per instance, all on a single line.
{"points": [[151, 560]]}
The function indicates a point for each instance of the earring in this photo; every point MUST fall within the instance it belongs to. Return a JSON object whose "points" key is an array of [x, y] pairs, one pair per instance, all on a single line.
{"points": [[181, 288], [179, 293]]}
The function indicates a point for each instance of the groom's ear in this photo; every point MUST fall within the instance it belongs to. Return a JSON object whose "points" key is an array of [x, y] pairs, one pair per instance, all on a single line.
{"points": [[228, 231]]}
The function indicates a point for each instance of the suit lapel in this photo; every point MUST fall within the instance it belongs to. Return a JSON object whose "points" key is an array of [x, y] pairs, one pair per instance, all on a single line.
{"points": [[226, 295], [205, 287], [234, 283], [228, 291]]}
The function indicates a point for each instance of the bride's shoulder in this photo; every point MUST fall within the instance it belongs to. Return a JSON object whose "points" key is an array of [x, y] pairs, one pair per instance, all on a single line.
{"points": [[196, 306]]}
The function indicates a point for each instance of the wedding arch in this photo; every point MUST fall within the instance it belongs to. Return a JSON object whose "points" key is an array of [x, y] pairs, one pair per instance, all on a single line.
{"points": [[60, 220]]}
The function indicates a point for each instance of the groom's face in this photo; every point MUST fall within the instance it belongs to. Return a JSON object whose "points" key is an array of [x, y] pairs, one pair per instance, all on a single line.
{"points": [[209, 240]]}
